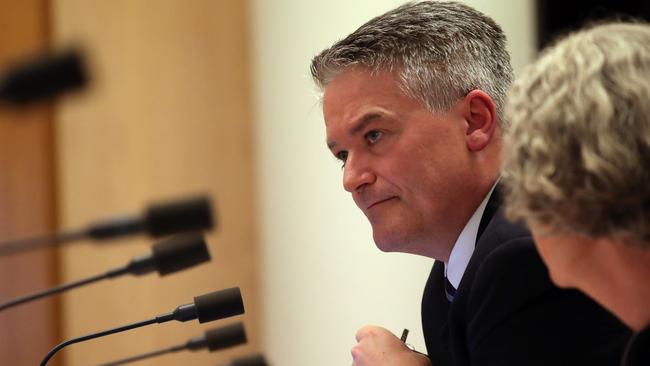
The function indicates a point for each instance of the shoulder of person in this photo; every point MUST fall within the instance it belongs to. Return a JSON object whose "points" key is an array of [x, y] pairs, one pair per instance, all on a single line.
{"points": [[503, 250], [513, 302], [515, 315], [512, 271], [504, 275]]}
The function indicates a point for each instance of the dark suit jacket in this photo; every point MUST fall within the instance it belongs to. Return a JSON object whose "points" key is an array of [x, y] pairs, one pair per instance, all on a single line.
{"points": [[507, 312]]}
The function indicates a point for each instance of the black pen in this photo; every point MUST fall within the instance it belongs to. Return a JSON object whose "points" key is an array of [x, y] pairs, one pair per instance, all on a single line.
{"points": [[405, 333]]}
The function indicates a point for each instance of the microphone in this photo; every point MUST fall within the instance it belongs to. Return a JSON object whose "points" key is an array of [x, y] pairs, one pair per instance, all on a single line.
{"points": [[168, 256], [253, 360], [213, 306], [214, 339], [158, 220], [43, 77]]}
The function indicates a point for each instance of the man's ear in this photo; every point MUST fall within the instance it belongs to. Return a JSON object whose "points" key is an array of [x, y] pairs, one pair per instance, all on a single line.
{"points": [[481, 120]]}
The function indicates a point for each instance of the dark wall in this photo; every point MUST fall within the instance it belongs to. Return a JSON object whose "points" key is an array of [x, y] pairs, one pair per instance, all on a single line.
{"points": [[559, 17]]}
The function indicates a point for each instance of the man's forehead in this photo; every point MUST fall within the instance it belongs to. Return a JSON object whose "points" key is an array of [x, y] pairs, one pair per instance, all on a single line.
{"points": [[350, 93], [359, 78]]}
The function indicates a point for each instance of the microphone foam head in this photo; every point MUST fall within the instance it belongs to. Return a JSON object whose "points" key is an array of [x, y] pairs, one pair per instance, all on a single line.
{"points": [[219, 304], [43, 78], [255, 360], [224, 337], [174, 217], [180, 252]]}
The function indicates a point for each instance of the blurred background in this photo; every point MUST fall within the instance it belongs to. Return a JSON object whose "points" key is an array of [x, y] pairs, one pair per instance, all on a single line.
{"points": [[198, 97]]}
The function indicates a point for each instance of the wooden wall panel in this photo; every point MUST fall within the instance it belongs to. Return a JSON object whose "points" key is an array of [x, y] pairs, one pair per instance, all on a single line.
{"points": [[168, 115], [27, 200]]}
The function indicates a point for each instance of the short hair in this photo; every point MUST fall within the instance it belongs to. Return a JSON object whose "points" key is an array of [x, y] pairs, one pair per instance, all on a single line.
{"points": [[440, 50], [577, 155]]}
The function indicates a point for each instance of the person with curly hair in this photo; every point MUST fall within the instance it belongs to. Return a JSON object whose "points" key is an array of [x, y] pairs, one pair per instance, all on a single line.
{"points": [[577, 168]]}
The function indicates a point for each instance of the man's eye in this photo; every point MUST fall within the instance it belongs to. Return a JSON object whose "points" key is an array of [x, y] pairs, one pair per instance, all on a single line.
{"points": [[373, 136], [342, 156]]}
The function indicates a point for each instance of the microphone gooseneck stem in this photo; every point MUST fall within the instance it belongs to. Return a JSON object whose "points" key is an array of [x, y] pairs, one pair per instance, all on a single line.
{"points": [[87, 337], [144, 356], [61, 288], [51, 291], [23, 245]]}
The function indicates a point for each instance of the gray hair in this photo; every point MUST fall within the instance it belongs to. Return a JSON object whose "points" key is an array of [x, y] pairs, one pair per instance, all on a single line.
{"points": [[577, 156], [441, 51]]}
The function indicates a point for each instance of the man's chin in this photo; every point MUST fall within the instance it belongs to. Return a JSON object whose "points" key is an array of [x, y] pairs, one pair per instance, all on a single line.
{"points": [[386, 243]]}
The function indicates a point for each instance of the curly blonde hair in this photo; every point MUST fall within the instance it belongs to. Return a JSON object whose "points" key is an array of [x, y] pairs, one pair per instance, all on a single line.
{"points": [[577, 154]]}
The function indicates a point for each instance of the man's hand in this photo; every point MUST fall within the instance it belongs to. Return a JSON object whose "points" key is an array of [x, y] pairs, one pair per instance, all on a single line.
{"points": [[376, 346]]}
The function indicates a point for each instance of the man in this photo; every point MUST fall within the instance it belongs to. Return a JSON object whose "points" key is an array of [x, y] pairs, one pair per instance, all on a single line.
{"points": [[411, 104], [578, 168]]}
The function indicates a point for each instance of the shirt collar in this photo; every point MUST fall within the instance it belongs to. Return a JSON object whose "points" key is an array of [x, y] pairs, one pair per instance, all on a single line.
{"points": [[465, 244]]}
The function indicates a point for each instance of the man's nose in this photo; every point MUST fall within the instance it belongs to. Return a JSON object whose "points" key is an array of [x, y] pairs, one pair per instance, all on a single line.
{"points": [[357, 173]]}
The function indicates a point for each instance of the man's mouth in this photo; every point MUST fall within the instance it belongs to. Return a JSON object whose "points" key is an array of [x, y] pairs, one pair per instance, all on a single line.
{"points": [[378, 202]]}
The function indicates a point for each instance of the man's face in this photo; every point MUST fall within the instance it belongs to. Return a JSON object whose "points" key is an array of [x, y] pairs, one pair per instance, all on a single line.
{"points": [[407, 169]]}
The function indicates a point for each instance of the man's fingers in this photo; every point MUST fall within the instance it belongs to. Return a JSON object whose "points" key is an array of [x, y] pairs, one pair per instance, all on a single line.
{"points": [[366, 331]]}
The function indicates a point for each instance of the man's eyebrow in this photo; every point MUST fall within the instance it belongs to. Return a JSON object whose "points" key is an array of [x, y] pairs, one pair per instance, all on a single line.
{"points": [[358, 126]]}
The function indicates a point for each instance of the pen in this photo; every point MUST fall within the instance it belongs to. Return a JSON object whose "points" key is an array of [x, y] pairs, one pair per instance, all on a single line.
{"points": [[405, 333]]}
